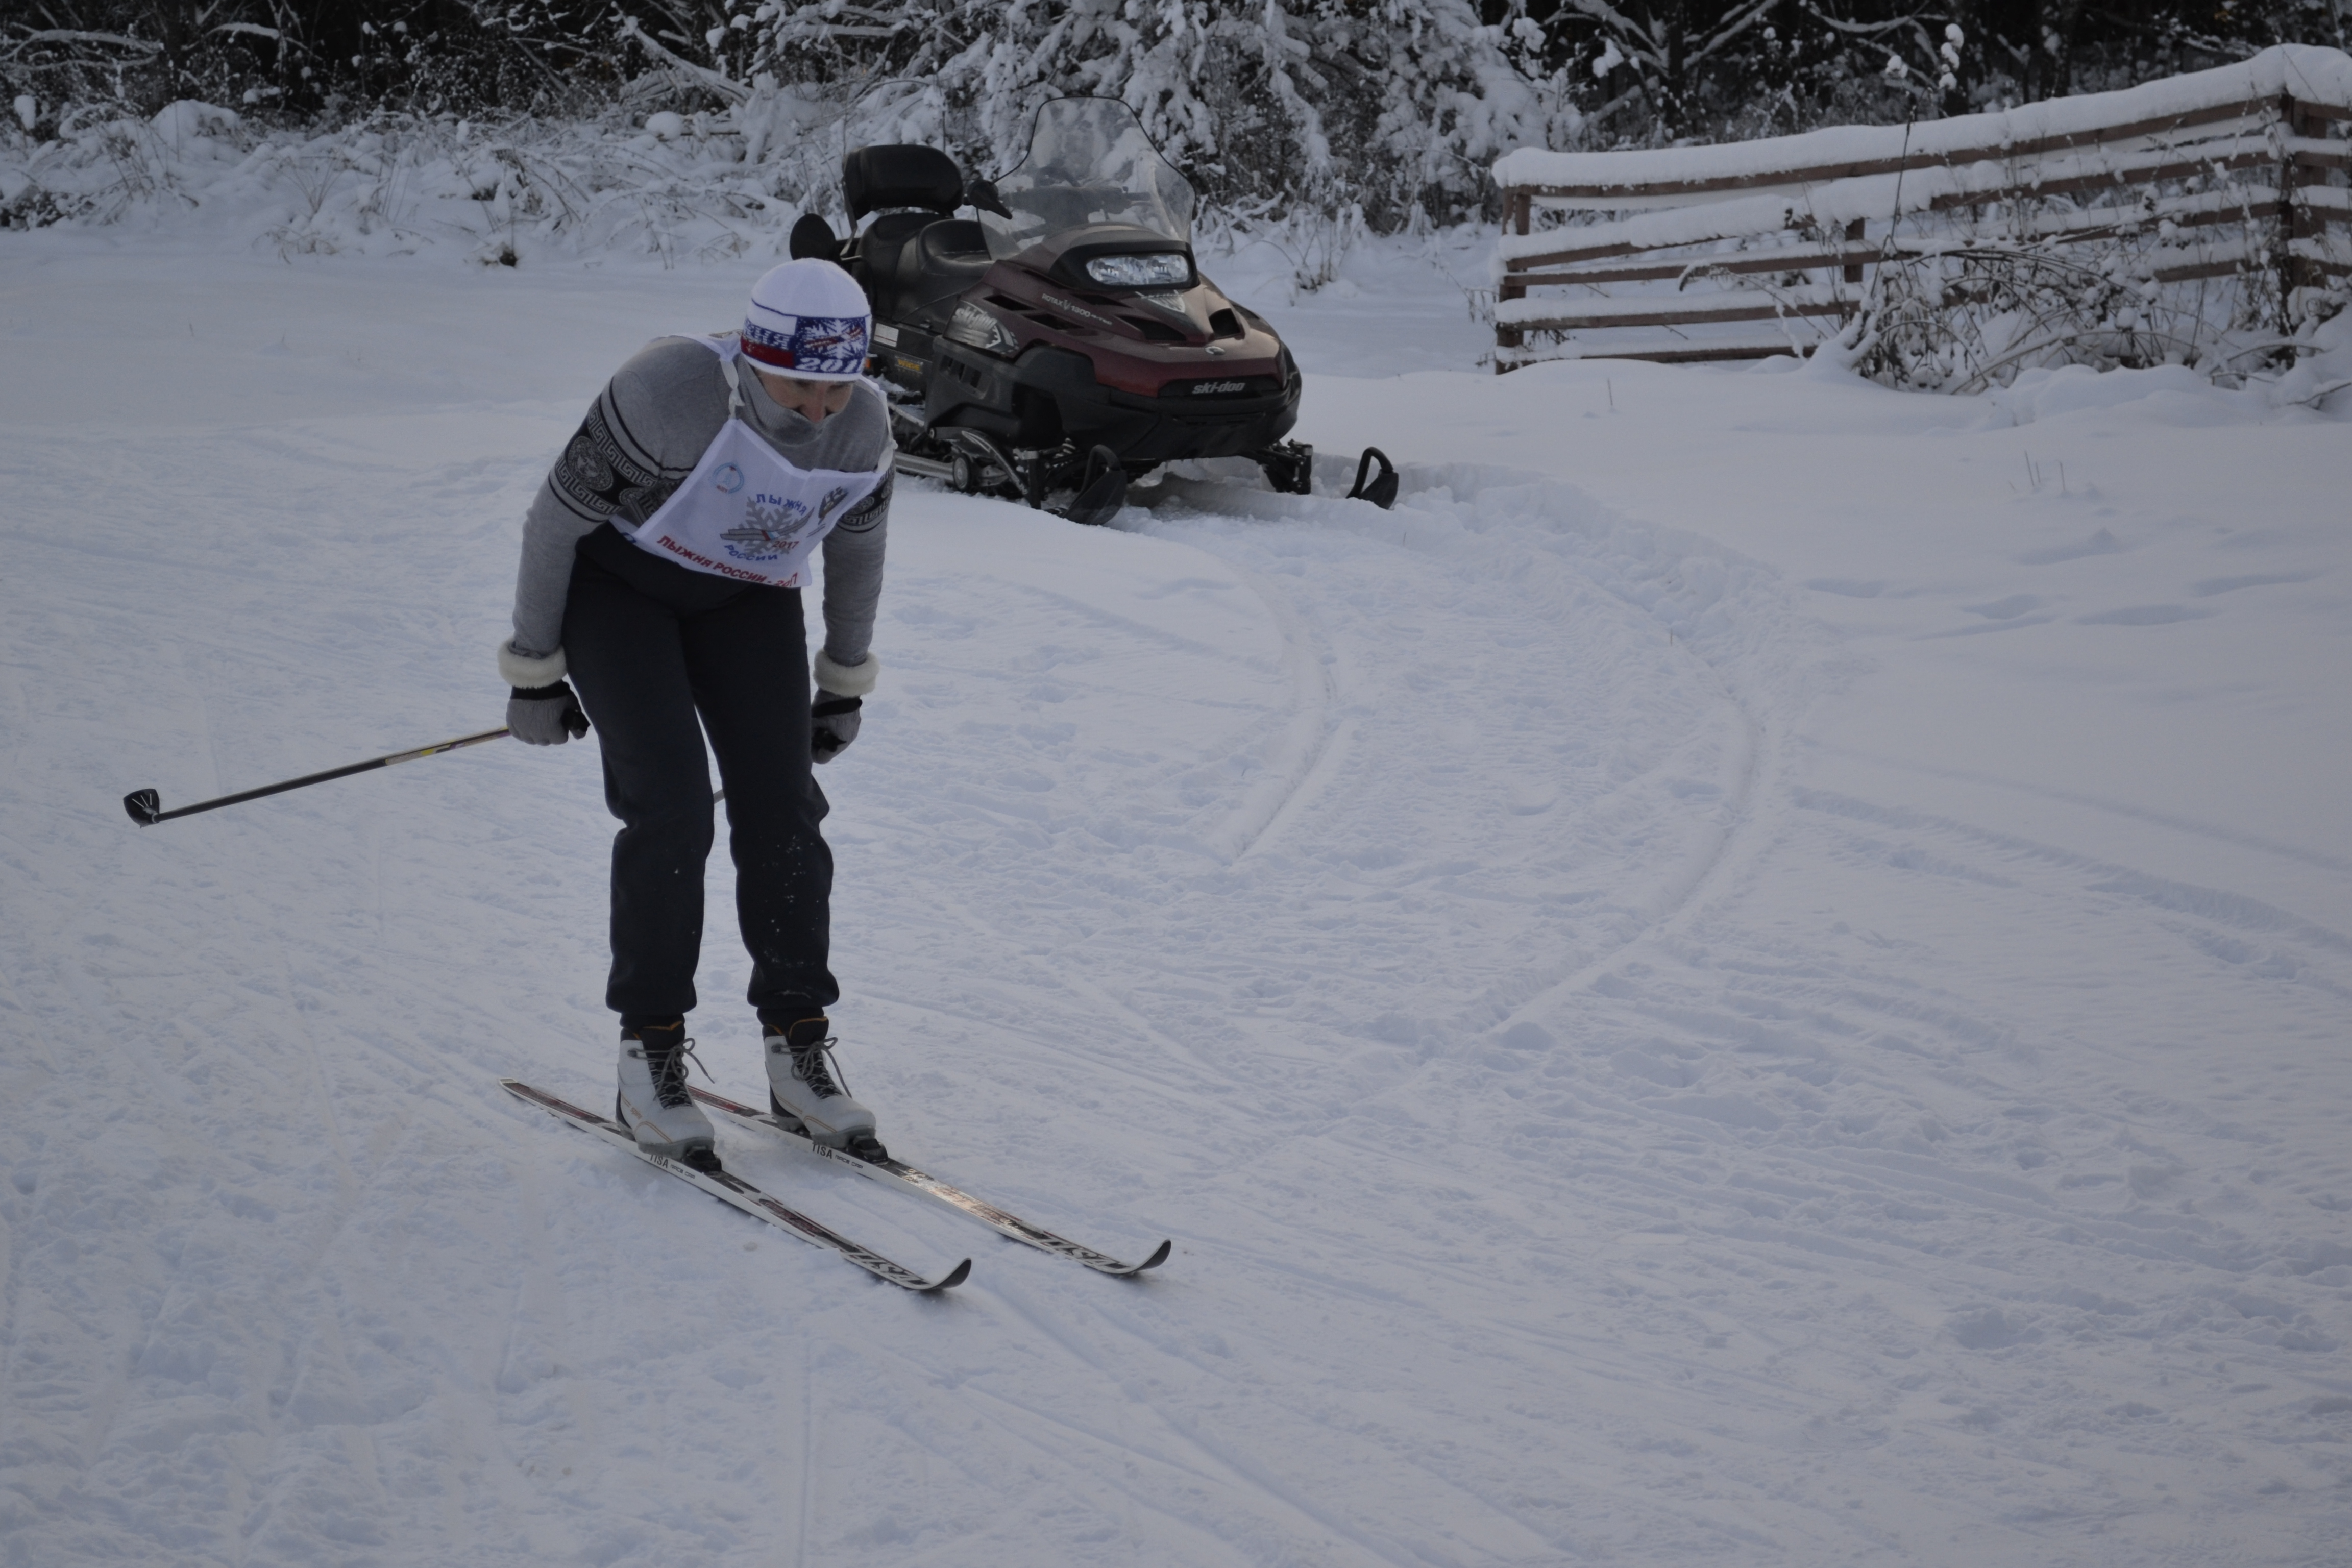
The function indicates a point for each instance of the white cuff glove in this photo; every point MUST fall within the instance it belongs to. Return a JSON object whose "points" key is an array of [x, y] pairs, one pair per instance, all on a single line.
{"points": [[845, 679]]}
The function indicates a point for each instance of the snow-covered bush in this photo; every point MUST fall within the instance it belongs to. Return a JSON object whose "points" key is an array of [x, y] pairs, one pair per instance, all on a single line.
{"points": [[1971, 317], [395, 183]]}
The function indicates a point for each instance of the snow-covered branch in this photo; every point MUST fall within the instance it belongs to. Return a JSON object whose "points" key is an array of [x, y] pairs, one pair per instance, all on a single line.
{"points": [[733, 91], [73, 36], [1736, 26], [1863, 29]]}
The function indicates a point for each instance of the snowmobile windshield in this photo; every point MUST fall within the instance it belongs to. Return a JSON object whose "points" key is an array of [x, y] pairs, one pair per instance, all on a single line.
{"points": [[1089, 161]]}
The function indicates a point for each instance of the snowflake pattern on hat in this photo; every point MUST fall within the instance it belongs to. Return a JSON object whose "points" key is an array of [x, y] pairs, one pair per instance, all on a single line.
{"points": [[816, 345]]}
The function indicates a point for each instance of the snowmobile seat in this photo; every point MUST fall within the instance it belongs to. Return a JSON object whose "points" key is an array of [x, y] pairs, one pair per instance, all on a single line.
{"points": [[951, 243], [882, 255], [914, 190], [910, 265], [945, 257]]}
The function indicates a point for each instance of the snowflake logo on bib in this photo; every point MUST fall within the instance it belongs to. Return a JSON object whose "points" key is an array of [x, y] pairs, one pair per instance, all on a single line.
{"points": [[766, 531]]}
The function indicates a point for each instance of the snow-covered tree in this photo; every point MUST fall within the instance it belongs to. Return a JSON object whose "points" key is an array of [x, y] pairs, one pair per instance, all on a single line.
{"points": [[1390, 108]]}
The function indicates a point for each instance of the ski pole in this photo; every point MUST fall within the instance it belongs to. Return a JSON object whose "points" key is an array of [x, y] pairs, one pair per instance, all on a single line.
{"points": [[146, 808]]}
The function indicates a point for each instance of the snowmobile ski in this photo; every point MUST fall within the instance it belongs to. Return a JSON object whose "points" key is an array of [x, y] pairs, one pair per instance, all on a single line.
{"points": [[898, 1172], [737, 1192]]}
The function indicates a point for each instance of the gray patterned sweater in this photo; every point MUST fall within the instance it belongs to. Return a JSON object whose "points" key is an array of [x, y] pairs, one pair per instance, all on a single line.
{"points": [[644, 434]]}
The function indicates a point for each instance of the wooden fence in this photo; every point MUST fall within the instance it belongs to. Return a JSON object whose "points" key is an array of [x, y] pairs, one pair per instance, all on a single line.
{"points": [[1766, 247]]}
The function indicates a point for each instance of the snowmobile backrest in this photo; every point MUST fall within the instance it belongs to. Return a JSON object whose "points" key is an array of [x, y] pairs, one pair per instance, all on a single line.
{"points": [[873, 178]]}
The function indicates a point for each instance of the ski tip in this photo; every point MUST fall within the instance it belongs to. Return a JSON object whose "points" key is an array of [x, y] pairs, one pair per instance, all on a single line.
{"points": [[145, 807], [1158, 1256], [951, 1279]]}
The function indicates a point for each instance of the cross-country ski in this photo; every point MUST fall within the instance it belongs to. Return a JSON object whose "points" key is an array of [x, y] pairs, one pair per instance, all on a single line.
{"points": [[737, 1192], [898, 1173]]}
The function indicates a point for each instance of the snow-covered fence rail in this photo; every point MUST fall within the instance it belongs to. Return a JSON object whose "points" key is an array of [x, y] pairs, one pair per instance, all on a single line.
{"points": [[2166, 221]]}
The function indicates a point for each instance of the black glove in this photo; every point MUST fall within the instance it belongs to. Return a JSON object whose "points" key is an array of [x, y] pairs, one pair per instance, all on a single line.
{"points": [[545, 715], [833, 724]]}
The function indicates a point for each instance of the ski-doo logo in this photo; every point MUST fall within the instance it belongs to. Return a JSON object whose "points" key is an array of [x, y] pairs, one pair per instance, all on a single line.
{"points": [[1212, 388]]}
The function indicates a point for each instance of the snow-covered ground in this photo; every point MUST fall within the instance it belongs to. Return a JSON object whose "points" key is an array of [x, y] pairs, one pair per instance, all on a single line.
{"points": [[1759, 974]]}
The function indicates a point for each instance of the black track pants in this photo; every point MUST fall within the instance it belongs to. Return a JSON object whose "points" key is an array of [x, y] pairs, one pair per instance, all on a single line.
{"points": [[650, 647]]}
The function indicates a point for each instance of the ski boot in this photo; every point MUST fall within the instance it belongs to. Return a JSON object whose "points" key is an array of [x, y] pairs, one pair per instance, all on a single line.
{"points": [[652, 1103], [804, 1090]]}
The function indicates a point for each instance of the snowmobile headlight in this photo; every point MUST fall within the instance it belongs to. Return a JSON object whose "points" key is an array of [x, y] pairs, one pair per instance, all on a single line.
{"points": [[1158, 270], [978, 328]]}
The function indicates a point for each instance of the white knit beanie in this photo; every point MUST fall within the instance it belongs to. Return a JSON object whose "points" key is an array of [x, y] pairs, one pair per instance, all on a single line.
{"points": [[810, 320]]}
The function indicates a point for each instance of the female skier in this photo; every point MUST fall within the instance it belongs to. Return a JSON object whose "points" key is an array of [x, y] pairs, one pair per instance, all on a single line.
{"points": [[662, 564]]}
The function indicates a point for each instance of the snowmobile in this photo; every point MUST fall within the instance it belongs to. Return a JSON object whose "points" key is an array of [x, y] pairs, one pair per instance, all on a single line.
{"points": [[1062, 341]]}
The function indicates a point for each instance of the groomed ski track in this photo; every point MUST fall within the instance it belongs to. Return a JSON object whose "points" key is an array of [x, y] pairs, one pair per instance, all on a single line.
{"points": [[1635, 1070]]}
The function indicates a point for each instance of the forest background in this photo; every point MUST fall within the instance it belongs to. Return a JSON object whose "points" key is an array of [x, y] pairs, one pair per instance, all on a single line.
{"points": [[1378, 115]]}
